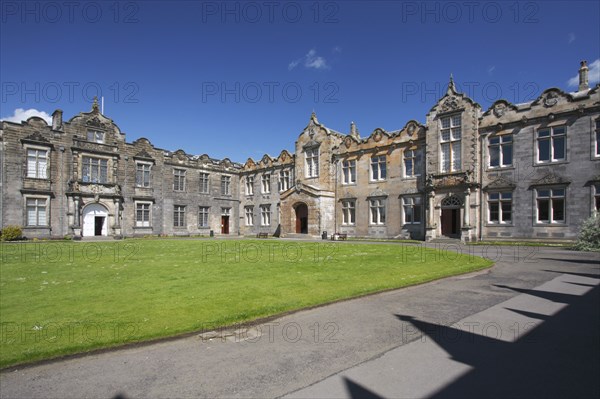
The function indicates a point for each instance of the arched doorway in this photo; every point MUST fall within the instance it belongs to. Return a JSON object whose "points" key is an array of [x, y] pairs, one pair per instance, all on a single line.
{"points": [[95, 220], [301, 218], [451, 216]]}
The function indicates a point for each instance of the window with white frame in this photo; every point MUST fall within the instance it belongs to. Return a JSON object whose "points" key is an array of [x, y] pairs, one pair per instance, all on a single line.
{"points": [[265, 181], [413, 209], [500, 207], [37, 211], [142, 214], [265, 215], [377, 208], [178, 179], [284, 180], [204, 183], [225, 211], [225, 185], [550, 204], [142, 174], [349, 171], [551, 144], [348, 212], [249, 212], [450, 142], [378, 167], [249, 185], [500, 150], [203, 216], [413, 162], [94, 170], [37, 163], [95, 136], [312, 162], [179, 216], [597, 138]]}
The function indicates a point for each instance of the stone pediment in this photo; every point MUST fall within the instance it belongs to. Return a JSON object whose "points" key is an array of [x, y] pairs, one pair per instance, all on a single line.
{"points": [[96, 123], [144, 155], [550, 179], [36, 137], [311, 143], [500, 183], [378, 193]]}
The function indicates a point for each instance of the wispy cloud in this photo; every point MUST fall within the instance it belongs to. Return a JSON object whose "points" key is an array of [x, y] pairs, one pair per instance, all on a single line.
{"points": [[593, 75], [491, 69], [571, 37], [336, 49], [21, 114], [310, 60]]}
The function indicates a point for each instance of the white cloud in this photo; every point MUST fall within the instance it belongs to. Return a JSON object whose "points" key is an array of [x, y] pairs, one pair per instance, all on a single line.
{"points": [[24, 114], [337, 49], [491, 69], [571, 37], [310, 60], [593, 75]]}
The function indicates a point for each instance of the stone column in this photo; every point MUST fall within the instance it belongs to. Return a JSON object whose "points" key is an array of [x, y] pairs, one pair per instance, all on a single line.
{"points": [[466, 216], [430, 209], [77, 218]]}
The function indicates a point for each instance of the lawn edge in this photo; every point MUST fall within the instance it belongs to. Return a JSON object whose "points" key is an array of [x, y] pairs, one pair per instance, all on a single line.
{"points": [[250, 323]]}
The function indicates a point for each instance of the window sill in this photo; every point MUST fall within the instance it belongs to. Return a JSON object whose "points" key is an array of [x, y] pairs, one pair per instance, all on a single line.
{"points": [[142, 227], [546, 163], [488, 224], [554, 224], [499, 168]]}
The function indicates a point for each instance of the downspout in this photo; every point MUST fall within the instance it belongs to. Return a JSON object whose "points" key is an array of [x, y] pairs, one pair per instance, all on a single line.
{"points": [[480, 229]]}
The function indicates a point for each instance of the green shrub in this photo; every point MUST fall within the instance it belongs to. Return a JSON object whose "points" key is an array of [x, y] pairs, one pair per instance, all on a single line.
{"points": [[12, 233], [589, 237]]}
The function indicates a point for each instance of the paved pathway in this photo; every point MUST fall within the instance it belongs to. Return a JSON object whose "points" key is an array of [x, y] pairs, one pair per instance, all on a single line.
{"points": [[528, 327]]}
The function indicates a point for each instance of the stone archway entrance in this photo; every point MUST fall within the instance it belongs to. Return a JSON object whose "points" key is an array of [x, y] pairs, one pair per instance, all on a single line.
{"points": [[450, 220], [301, 218], [95, 220]]}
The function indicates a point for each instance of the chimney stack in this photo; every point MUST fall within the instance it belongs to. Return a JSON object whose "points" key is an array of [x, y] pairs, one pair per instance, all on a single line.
{"points": [[583, 76], [57, 121]]}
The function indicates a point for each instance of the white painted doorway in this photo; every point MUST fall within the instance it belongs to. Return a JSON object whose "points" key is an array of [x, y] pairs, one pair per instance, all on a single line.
{"points": [[95, 220]]}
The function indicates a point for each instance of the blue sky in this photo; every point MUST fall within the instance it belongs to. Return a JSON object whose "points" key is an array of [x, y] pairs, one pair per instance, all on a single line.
{"points": [[239, 79]]}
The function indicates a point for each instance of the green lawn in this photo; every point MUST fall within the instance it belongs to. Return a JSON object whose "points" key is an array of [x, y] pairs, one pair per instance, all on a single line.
{"points": [[68, 297]]}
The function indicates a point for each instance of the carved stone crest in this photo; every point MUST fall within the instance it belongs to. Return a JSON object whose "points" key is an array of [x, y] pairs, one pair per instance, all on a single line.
{"points": [[411, 129], [499, 109], [551, 99], [377, 136], [347, 142], [450, 104]]}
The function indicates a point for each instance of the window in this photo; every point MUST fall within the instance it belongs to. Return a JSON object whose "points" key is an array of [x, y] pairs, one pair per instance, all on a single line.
{"points": [[450, 139], [377, 211], [501, 151], [204, 183], [225, 211], [142, 214], [597, 197], [178, 179], [349, 172], [142, 174], [413, 163], [94, 170], [284, 180], [37, 163], [598, 137], [95, 136], [312, 162], [348, 212], [551, 144], [36, 211], [266, 183], [550, 205], [500, 207], [249, 185], [225, 183], [203, 216], [265, 215], [179, 216], [412, 210], [249, 210], [378, 170]]}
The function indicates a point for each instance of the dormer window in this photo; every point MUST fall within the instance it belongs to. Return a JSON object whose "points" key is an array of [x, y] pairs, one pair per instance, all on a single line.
{"points": [[95, 136], [312, 162]]}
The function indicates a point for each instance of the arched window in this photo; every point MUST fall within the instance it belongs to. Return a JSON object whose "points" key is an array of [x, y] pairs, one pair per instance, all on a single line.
{"points": [[451, 202]]}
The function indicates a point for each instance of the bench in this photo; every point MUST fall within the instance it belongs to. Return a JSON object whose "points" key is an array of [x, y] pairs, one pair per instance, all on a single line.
{"points": [[262, 235]]}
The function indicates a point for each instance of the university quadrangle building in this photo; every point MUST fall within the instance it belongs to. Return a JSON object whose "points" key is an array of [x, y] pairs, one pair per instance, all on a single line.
{"points": [[513, 171]]}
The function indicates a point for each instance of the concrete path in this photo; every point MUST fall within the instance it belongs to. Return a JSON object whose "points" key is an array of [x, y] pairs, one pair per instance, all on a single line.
{"points": [[528, 327]]}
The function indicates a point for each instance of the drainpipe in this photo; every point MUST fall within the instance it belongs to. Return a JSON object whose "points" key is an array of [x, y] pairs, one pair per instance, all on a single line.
{"points": [[335, 196], [480, 229]]}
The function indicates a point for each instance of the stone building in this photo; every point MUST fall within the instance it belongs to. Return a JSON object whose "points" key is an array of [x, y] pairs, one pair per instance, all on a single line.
{"points": [[513, 171]]}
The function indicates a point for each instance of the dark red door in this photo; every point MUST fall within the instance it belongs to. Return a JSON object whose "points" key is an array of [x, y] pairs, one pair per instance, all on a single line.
{"points": [[302, 219], [224, 224]]}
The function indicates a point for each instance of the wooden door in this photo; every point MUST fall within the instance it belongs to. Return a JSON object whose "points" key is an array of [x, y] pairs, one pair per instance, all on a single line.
{"points": [[224, 224]]}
